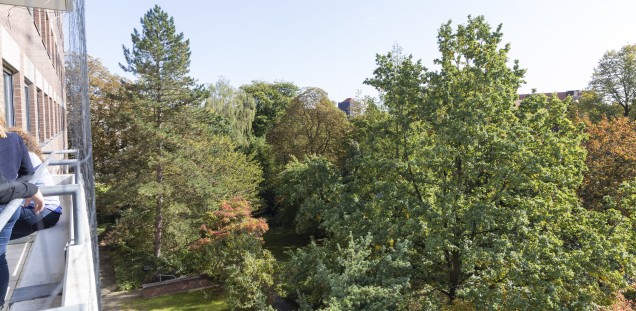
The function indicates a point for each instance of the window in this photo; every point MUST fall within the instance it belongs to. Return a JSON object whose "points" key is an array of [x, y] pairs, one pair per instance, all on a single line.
{"points": [[38, 100], [8, 99], [27, 100]]}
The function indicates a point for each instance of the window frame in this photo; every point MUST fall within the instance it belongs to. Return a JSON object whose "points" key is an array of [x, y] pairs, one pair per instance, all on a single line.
{"points": [[28, 88], [9, 97]]}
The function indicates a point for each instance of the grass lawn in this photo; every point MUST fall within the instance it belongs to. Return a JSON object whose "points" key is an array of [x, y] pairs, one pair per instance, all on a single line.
{"points": [[279, 240], [201, 300]]}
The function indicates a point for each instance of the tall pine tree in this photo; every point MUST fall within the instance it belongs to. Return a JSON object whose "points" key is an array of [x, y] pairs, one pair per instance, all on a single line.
{"points": [[160, 60]]}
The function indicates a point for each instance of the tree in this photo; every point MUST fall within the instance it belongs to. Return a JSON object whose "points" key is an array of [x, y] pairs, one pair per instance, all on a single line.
{"points": [[232, 217], [110, 111], [611, 159], [230, 249], [312, 124], [483, 190], [236, 106], [592, 106], [355, 279], [615, 78], [207, 171], [271, 101], [304, 190], [109, 116], [160, 59]]}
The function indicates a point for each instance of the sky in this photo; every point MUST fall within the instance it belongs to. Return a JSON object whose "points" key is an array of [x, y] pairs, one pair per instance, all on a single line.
{"points": [[331, 44]]}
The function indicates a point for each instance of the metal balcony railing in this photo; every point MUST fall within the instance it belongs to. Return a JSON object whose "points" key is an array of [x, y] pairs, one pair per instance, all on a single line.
{"points": [[40, 285]]}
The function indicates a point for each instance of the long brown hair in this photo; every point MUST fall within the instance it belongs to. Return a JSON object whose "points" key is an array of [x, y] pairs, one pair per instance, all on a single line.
{"points": [[3, 126], [30, 141]]}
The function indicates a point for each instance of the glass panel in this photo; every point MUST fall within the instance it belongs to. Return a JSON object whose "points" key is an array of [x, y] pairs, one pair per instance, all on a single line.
{"points": [[38, 100], [8, 99], [27, 98]]}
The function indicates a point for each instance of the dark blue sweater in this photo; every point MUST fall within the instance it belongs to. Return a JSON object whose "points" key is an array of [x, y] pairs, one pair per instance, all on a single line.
{"points": [[14, 158], [15, 190]]}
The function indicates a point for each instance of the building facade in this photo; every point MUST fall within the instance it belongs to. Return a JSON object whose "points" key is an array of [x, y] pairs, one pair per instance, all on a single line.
{"points": [[33, 88], [575, 94]]}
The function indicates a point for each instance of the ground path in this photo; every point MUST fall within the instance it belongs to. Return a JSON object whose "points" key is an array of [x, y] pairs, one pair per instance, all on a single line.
{"points": [[111, 299]]}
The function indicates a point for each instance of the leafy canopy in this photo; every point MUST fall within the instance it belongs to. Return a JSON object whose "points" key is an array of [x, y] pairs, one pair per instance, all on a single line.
{"points": [[614, 78], [482, 190]]}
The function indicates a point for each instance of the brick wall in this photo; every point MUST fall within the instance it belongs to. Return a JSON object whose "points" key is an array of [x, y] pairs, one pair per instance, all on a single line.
{"points": [[18, 98], [33, 116], [32, 47], [175, 286]]}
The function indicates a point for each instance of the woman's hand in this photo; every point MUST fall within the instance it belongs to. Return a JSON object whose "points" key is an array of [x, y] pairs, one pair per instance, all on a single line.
{"points": [[38, 202]]}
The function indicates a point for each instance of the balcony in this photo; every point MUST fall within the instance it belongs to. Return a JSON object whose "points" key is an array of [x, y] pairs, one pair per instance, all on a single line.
{"points": [[53, 269]]}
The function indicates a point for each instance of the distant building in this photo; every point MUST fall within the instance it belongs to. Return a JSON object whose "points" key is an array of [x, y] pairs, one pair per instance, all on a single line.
{"points": [[345, 106], [576, 95], [351, 107]]}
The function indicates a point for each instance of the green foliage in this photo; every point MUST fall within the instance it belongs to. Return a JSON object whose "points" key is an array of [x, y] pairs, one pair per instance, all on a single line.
{"points": [[614, 79], [160, 60], [201, 300], [245, 268], [306, 190], [448, 196], [110, 113], [178, 159], [482, 189], [271, 101], [592, 106], [230, 250], [129, 269], [261, 151], [110, 117], [280, 241], [359, 277], [201, 176], [236, 106], [312, 124], [250, 284]]}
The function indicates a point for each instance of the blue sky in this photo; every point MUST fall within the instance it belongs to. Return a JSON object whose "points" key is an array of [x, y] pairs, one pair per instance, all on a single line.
{"points": [[332, 44]]}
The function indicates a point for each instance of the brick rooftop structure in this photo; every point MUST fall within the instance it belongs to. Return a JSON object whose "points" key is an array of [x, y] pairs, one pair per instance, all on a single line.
{"points": [[576, 94]]}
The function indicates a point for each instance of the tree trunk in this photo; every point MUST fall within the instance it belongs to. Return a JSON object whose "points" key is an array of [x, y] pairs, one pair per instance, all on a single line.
{"points": [[159, 214], [454, 274], [159, 179]]}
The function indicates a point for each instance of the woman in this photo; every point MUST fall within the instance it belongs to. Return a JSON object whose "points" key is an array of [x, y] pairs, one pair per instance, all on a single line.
{"points": [[14, 164], [30, 221]]}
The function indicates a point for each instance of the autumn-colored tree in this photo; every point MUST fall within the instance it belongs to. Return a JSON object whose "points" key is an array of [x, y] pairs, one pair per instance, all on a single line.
{"points": [[611, 159], [110, 115], [234, 216], [311, 125], [230, 249]]}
